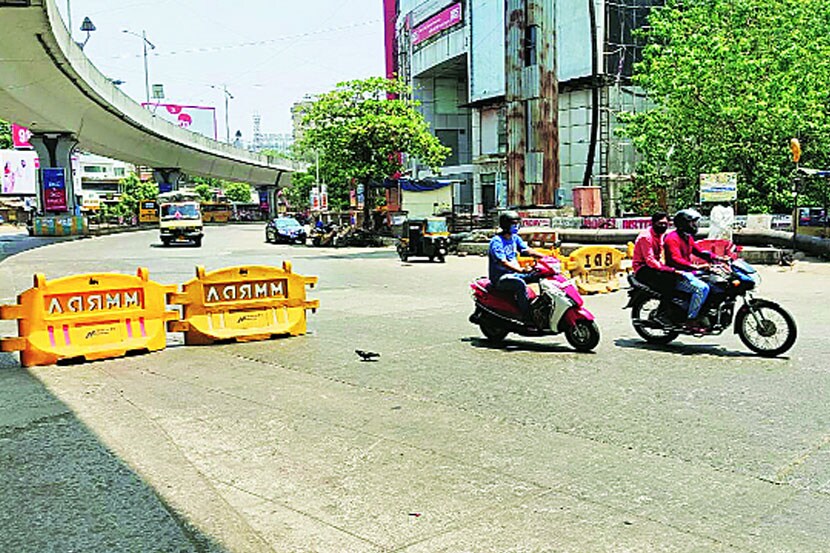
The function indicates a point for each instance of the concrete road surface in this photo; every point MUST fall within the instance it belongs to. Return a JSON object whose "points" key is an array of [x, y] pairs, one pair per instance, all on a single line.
{"points": [[444, 444]]}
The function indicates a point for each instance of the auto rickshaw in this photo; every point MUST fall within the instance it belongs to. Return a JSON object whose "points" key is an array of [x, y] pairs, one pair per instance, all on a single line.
{"points": [[424, 237]]}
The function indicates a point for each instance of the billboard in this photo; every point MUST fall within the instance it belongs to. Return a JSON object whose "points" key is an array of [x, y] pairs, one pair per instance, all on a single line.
{"points": [[198, 119], [718, 187], [54, 189], [439, 22], [19, 172], [21, 136]]}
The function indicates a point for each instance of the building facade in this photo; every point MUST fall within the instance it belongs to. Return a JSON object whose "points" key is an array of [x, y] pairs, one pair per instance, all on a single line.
{"points": [[526, 93]]}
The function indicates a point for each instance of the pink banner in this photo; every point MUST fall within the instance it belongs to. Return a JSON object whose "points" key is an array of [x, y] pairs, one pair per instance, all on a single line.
{"points": [[437, 23], [21, 136]]}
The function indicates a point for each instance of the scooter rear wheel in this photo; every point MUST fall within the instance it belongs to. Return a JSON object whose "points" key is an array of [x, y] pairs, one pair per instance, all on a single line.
{"points": [[493, 333], [583, 336]]}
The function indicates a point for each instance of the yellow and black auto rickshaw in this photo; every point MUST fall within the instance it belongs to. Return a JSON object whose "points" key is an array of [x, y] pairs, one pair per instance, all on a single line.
{"points": [[424, 237]]}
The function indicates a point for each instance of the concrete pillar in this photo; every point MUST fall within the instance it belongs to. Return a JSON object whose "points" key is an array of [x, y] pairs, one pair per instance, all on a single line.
{"points": [[55, 152], [167, 178]]}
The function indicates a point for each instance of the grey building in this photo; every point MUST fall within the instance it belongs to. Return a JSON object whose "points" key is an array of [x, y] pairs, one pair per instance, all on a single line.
{"points": [[479, 68]]}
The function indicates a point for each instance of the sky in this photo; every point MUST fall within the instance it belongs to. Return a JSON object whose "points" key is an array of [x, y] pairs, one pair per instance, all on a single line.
{"points": [[299, 47]]}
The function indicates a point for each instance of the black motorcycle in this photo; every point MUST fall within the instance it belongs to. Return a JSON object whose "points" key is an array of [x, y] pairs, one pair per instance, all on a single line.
{"points": [[762, 325]]}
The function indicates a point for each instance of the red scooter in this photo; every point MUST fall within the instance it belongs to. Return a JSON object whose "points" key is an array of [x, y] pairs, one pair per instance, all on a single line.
{"points": [[557, 308]]}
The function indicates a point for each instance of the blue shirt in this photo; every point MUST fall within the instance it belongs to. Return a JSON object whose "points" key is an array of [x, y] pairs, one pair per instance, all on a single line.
{"points": [[503, 249]]}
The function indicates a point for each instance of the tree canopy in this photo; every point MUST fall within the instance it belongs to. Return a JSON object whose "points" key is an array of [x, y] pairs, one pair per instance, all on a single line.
{"points": [[5, 135], [732, 81], [361, 130], [238, 192]]}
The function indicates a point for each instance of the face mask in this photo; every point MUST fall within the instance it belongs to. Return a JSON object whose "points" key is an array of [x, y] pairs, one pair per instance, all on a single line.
{"points": [[514, 229], [660, 228]]}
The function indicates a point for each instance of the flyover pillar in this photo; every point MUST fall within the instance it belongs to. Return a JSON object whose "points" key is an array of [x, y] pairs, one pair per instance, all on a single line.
{"points": [[56, 192], [167, 178]]}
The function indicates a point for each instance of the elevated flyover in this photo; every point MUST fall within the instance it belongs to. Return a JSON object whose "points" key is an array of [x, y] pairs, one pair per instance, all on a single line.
{"points": [[50, 86]]}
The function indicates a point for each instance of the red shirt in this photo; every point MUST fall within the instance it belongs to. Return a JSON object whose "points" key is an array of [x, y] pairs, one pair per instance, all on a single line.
{"points": [[679, 251], [648, 250]]}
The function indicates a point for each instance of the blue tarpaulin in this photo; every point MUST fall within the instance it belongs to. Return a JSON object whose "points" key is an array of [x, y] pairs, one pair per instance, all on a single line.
{"points": [[425, 185]]}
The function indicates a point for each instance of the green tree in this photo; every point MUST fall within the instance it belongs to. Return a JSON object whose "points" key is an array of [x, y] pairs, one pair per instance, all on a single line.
{"points": [[361, 129], [5, 135], [205, 192], [238, 192], [133, 191], [732, 82]]}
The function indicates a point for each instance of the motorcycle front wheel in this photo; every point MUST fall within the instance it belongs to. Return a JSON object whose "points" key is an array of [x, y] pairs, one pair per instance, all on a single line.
{"points": [[766, 328], [583, 336], [645, 309]]}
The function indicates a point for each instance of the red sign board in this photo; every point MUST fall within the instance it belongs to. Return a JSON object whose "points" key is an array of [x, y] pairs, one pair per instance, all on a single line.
{"points": [[21, 136], [439, 22]]}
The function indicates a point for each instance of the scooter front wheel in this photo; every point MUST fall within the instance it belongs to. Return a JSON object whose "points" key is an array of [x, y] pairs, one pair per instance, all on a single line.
{"points": [[583, 336]]}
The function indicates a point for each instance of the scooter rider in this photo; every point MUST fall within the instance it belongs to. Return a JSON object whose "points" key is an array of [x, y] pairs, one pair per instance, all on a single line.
{"points": [[505, 272], [679, 246], [647, 262]]}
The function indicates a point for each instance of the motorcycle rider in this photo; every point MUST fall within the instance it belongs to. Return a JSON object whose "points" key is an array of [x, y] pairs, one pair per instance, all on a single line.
{"points": [[679, 245], [647, 262], [505, 272]]}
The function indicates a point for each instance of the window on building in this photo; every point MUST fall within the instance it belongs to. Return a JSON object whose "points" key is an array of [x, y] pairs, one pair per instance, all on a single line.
{"points": [[531, 45], [119, 171], [502, 129], [449, 138], [94, 169]]}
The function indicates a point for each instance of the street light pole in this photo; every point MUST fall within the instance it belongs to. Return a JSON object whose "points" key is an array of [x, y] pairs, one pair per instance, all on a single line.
{"points": [[146, 43], [228, 96], [69, 16], [146, 70]]}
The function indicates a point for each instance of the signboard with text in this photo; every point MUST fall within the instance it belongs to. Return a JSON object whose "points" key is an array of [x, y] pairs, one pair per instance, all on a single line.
{"points": [[439, 22], [54, 189], [199, 119], [21, 136], [718, 187]]}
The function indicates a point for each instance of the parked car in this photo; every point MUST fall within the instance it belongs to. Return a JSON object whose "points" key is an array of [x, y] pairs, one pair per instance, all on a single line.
{"points": [[285, 230]]}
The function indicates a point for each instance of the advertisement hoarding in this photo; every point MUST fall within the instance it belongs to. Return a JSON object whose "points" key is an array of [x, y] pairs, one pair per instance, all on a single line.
{"points": [[198, 119], [54, 189], [718, 187], [21, 136], [19, 172], [441, 21]]}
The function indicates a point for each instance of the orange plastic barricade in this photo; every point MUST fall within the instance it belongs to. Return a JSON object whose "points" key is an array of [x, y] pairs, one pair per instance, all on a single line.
{"points": [[243, 304], [596, 269], [92, 316]]}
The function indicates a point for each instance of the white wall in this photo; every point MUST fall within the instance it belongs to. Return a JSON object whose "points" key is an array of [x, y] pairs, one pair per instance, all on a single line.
{"points": [[422, 204]]}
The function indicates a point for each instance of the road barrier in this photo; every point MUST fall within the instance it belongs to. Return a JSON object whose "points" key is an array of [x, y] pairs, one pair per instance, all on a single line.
{"points": [[596, 269], [243, 304], [90, 316], [540, 238]]}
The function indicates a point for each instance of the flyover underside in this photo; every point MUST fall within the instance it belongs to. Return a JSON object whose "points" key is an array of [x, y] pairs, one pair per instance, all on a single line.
{"points": [[47, 84]]}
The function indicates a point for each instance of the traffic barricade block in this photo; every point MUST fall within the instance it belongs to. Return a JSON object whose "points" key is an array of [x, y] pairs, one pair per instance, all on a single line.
{"points": [[596, 269], [90, 316], [243, 304], [539, 238]]}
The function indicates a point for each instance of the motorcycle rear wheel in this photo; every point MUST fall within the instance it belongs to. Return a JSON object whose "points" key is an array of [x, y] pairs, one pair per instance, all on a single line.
{"points": [[493, 332], [583, 336], [646, 309], [766, 338]]}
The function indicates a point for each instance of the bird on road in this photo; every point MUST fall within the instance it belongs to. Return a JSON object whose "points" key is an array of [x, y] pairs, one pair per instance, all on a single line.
{"points": [[367, 355]]}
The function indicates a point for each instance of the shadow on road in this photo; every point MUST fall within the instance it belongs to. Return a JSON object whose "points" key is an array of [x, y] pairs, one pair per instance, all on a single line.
{"points": [[683, 349], [63, 490], [519, 345]]}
